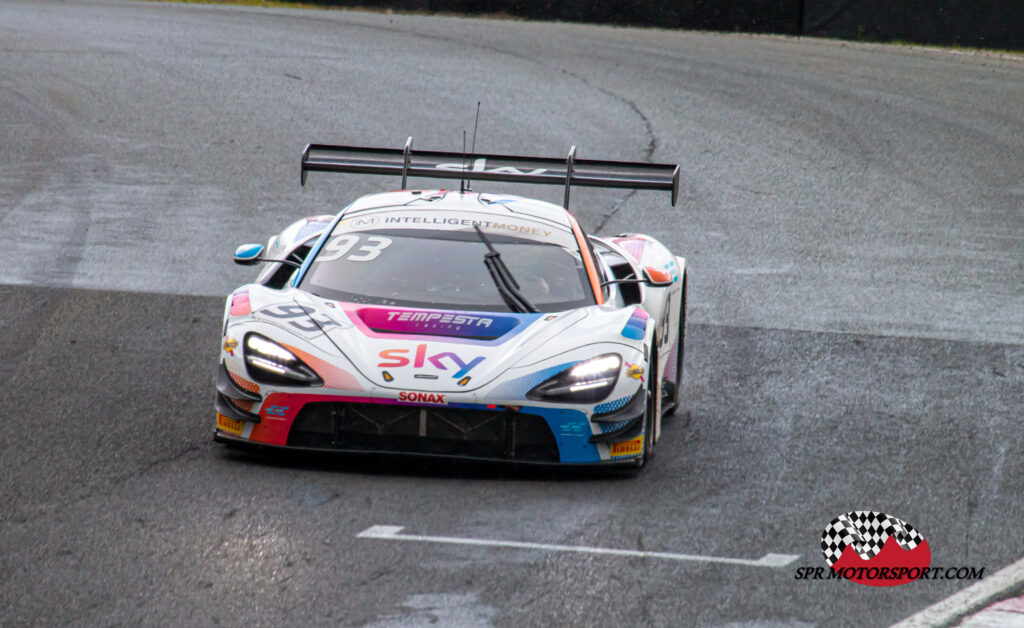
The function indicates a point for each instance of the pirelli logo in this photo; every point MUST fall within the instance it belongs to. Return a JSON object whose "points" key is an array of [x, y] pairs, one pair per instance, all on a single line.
{"points": [[628, 448], [229, 425]]}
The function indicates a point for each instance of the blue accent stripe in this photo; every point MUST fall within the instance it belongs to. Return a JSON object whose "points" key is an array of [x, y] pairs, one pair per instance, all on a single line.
{"points": [[636, 326], [517, 388], [633, 333], [607, 428], [316, 248], [309, 229], [611, 406]]}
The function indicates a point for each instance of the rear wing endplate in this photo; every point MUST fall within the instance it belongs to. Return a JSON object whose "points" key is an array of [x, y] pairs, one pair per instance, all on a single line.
{"points": [[477, 167]]}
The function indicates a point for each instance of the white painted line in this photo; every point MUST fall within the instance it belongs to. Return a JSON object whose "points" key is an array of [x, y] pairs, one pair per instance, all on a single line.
{"points": [[972, 598], [393, 533]]}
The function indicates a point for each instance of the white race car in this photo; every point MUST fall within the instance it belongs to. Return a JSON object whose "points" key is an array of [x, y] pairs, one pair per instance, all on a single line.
{"points": [[457, 322]]}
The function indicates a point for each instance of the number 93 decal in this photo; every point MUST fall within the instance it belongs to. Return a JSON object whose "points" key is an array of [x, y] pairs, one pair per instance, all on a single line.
{"points": [[343, 245]]}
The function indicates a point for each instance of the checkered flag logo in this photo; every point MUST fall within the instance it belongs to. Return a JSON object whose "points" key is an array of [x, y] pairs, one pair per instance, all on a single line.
{"points": [[867, 531]]}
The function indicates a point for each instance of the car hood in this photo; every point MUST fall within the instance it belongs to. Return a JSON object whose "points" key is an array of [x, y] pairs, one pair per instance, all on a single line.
{"points": [[423, 349]]}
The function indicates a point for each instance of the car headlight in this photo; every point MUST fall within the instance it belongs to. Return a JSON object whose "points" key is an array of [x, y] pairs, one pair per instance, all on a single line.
{"points": [[270, 363], [585, 382]]}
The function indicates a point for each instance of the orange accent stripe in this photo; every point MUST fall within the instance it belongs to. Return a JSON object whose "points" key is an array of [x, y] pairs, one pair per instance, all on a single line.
{"points": [[658, 274], [333, 376], [588, 262]]}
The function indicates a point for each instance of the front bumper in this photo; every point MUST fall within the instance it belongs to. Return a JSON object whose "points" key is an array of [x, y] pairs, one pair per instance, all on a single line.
{"points": [[524, 434]]}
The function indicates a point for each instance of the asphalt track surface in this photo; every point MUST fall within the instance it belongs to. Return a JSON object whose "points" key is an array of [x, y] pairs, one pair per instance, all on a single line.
{"points": [[854, 221]]}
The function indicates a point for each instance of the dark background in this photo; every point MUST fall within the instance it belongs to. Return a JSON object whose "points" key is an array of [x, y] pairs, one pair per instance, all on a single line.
{"points": [[975, 23]]}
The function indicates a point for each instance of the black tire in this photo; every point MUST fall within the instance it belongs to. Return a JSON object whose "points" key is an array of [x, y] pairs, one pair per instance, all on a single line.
{"points": [[650, 409], [677, 394]]}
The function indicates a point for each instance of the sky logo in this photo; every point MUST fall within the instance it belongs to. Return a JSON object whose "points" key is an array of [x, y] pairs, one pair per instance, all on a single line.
{"points": [[396, 358]]}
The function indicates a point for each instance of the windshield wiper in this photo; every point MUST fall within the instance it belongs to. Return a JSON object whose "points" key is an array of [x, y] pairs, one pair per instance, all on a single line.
{"points": [[503, 279]]}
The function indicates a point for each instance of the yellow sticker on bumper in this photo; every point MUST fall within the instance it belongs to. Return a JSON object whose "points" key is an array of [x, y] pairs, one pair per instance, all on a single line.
{"points": [[628, 448], [229, 425]]}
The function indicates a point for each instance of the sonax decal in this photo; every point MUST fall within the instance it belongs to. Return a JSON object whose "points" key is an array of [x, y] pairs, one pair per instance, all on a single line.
{"points": [[421, 397]]}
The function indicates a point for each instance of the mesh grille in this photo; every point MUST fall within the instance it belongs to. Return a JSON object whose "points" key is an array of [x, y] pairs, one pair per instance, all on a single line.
{"points": [[244, 384], [242, 404], [424, 429]]}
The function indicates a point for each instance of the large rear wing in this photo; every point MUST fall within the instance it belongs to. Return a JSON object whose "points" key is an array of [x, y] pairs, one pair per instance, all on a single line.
{"points": [[476, 167]]}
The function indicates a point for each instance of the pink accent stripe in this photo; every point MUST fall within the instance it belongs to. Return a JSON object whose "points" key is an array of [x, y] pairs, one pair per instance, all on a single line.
{"points": [[240, 304], [633, 246]]}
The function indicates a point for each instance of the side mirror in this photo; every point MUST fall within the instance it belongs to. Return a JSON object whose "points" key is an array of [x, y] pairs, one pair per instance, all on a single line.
{"points": [[652, 277], [656, 278], [249, 254]]}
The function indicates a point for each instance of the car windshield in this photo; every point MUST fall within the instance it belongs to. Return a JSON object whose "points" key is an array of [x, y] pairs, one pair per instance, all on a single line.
{"points": [[444, 269]]}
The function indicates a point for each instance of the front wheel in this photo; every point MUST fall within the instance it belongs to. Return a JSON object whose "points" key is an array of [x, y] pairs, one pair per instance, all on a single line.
{"points": [[677, 393], [650, 410]]}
